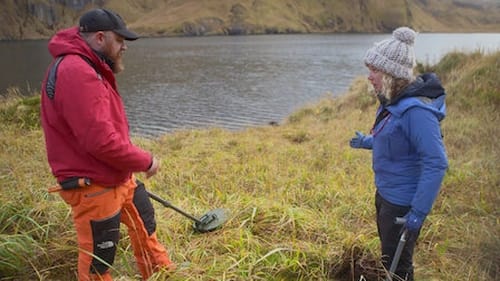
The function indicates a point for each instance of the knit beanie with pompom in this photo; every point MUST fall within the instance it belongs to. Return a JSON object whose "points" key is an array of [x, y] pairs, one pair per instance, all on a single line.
{"points": [[394, 56]]}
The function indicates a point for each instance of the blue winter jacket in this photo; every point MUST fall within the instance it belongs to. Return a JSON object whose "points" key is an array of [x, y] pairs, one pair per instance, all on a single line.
{"points": [[409, 157]]}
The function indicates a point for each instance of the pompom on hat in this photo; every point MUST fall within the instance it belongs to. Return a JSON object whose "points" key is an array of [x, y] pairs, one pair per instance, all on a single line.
{"points": [[394, 56]]}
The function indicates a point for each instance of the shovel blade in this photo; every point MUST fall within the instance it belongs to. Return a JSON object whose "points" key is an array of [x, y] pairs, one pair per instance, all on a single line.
{"points": [[211, 220]]}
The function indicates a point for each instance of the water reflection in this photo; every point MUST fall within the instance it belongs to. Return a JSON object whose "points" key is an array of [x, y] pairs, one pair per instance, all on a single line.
{"points": [[233, 82]]}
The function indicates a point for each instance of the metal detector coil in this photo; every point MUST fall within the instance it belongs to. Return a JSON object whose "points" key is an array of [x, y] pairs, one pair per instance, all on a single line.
{"points": [[210, 221]]}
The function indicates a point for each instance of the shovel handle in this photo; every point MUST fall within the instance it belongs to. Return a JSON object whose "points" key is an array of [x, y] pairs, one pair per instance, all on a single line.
{"points": [[400, 220], [399, 249]]}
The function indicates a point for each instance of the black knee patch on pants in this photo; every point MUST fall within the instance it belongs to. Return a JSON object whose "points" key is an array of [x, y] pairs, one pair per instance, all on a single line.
{"points": [[105, 234], [145, 207]]}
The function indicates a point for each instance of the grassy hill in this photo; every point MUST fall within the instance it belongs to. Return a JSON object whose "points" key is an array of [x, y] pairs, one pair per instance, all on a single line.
{"points": [[301, 200], [39, 19]]}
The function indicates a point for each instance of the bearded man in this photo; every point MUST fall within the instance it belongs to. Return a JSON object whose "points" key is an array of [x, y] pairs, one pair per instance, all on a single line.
{"points": [[89, 148]]}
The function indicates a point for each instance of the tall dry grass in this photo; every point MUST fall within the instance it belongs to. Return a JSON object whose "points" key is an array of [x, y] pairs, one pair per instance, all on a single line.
{"points": [[301, 200]]}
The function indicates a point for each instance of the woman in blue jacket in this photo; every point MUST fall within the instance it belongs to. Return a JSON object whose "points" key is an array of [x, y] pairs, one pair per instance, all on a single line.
{"points": [[409, 157]]}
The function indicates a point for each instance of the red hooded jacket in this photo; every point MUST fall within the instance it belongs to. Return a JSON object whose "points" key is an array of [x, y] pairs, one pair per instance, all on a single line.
{"points": [[85, 125]]}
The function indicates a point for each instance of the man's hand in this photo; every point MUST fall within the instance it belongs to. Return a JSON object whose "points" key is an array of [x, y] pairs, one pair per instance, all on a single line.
{"points": [[153, 169]]}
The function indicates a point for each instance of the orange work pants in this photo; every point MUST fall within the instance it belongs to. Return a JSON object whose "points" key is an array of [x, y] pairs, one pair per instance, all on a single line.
{"points": [[97, 214]]}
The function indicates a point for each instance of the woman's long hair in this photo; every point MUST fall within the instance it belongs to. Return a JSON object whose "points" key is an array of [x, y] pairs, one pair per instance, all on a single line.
{"points": [[392, 87]]}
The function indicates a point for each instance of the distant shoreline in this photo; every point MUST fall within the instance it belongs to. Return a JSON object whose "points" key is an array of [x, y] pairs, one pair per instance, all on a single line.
{"points": [[265, 34]]}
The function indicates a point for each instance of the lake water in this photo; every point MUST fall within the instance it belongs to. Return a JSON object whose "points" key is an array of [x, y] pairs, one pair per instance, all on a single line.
{"points": [[231, 82]]}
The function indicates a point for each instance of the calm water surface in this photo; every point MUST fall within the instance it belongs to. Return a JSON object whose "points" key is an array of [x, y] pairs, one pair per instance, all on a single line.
{"points": [[231, 82]]}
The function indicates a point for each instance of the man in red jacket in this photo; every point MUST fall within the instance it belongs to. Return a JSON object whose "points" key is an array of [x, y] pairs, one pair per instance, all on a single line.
{"points": [[89, 149]]}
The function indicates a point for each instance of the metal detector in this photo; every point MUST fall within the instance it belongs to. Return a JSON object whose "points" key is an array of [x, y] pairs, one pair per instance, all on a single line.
{"points": [[210, 221]]}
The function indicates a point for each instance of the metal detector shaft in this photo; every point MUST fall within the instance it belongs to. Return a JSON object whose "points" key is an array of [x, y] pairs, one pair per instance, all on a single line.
{"points": [[168, 205]]}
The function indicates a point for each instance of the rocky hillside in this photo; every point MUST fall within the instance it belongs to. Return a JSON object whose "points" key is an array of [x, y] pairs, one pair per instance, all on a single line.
{"points": [[29, 19]]}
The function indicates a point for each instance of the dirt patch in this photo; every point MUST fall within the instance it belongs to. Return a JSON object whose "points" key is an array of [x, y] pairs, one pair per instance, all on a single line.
{"points": [[357, 265]]}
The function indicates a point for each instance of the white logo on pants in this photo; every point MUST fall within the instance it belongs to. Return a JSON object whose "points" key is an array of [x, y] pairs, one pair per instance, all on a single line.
{"points": [[105, 245]]}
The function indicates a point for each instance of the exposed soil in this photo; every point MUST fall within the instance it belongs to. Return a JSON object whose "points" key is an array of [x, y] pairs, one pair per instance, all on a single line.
{"points": [[357, 266]]}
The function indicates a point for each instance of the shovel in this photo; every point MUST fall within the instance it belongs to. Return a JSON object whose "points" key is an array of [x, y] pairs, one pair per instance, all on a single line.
{"points": [[399, 249], [210, 221]]}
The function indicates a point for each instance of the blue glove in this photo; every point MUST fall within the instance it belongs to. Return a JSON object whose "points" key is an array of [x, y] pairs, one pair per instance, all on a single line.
{"points": [[358, 140], [414, 221]]}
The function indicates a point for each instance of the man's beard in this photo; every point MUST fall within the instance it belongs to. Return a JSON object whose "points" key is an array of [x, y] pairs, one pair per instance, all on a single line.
{"points": [[118, 65], [115, 62]]}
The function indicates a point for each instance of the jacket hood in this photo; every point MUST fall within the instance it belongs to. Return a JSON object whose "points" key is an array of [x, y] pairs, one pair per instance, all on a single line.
{"points": [[68, 41], [426, 92]]}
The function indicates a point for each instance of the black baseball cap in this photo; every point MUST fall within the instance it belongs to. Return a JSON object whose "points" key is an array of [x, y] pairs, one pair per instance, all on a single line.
{"points": [[105, 20]]}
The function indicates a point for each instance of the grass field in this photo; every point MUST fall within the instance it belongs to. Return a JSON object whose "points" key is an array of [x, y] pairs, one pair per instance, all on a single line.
{"points": [[300, 199]]}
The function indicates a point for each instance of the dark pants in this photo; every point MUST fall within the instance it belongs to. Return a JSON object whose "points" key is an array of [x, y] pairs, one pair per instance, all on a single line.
{"points": [[389, 234]]}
